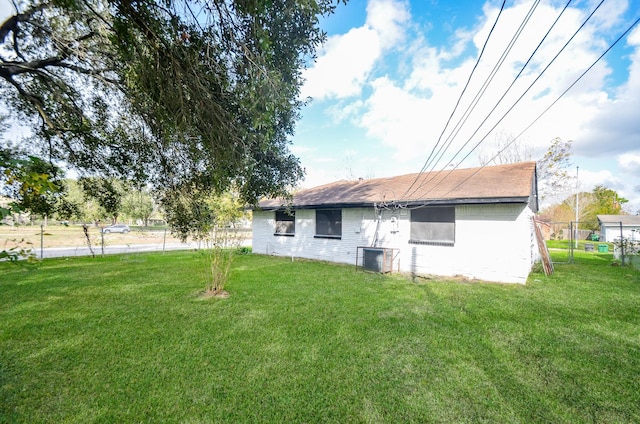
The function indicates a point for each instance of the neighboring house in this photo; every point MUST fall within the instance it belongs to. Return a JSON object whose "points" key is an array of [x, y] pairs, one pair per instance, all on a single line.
{"points": [[615, 226], [476, 223]]}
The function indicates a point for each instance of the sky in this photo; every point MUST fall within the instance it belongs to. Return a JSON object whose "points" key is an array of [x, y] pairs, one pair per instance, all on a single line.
{"points": [[397, 80], [385, 85]]}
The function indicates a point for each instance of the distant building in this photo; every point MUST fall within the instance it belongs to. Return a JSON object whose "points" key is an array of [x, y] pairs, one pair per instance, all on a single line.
{"points": [[614, 227]]}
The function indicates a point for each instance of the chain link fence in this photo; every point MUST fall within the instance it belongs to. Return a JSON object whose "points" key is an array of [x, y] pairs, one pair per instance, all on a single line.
{"points": [[565, 238], [42, 241]]}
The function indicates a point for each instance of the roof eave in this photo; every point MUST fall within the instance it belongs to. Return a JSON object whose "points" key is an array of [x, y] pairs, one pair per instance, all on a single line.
{"points": [[401, 204]]}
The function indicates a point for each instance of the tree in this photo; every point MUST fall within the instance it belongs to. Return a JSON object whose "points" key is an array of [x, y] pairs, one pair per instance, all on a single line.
{"points": [[198, 214], [107, 192], [138, 204], [211, 219], [33, 185], [553, 169], [600, 201], [76, 206], [183, 94], [507, 150], [605, 201]]}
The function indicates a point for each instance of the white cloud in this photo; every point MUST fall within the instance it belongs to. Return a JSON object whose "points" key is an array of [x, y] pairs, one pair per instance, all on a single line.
{"points": [[343, 66], [634, 37], [398, 118], [346, 61], [343, 111], [387, 18], [301, 150], [6, 10], [407, 104], [615, 127], [630, 163], [590, 179], [410, 114]]}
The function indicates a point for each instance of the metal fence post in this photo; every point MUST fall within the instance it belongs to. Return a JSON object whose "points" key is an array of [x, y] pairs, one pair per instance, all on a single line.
{"points": [[621, 245], [571, 236]]}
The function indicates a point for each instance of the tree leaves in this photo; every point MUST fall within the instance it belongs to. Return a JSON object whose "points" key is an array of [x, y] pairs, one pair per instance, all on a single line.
{"points": [[181, 94], [553, 169]]}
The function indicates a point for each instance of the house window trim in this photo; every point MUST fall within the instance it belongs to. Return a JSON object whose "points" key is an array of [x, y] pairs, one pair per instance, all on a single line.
{"points": [[291, 218], [327, 236], [435, 242]]}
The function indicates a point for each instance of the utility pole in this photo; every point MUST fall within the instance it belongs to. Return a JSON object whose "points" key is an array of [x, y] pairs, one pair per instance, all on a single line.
{"points": [[577, 205]]}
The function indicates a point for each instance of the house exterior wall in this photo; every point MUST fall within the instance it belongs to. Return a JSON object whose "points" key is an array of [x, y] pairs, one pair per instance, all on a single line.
{"points": [[492, 242], [611, 231]]}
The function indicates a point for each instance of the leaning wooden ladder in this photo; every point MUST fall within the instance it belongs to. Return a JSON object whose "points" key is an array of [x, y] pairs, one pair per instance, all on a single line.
{"points": [[547, 264]]}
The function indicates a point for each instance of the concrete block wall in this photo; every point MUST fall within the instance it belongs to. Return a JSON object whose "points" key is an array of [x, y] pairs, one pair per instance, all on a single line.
{"points": [[492, 242]]}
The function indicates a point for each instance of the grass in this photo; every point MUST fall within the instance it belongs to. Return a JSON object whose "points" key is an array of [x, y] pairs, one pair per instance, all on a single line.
{"points": [[128, 339], [566, 244]]}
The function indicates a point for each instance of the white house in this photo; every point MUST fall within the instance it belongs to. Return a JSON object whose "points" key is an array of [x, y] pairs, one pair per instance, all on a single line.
{"points": [[476, 223], [615, 226]]}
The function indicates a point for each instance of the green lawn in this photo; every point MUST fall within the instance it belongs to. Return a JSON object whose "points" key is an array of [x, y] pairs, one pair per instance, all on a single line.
{"points": [[128, 339]]}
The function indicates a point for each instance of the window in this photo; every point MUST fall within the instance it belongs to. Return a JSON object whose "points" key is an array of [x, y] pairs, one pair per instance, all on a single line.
{"points": [[285, 223], [434, 225], [328, 223]]}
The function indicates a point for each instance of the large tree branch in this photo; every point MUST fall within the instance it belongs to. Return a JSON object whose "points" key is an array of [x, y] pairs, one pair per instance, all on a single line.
{"points": [[11, 68], [34, 100], [96, 73], [11, 24]]}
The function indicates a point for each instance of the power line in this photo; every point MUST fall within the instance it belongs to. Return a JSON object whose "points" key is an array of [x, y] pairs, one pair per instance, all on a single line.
{"points": [[611, 46], [485, 85], [426, 165], [440, 151], [519, 73], [513, 105], [570, 86]]}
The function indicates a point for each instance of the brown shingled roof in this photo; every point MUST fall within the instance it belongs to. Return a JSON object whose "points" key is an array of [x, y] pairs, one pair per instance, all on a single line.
{"points": [[513, 182]]}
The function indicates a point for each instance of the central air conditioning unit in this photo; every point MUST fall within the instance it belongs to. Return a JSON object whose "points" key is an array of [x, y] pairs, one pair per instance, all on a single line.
{"points": [[377, 259]]}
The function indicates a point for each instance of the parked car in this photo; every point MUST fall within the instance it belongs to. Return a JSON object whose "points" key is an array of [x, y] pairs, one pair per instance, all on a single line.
{"points": [[116, 228]]}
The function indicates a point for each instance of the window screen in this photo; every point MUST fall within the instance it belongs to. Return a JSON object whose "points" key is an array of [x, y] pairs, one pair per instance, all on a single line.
{"points": [[433, 225], [329, 223], [285, 223]]}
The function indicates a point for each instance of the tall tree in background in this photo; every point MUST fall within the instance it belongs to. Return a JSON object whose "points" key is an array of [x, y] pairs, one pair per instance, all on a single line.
{"points": [[553, 169], [107, 192], [183, 94], [600, 201], [138, 204], [506, 150], [75, 206], [606, 201]]}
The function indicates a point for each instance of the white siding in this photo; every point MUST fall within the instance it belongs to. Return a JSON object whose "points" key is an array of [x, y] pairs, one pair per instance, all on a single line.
{"points": [[492, 242], [610, 232], [304, 244]]}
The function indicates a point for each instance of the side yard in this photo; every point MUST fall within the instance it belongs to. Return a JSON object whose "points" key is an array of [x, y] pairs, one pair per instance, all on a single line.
{"points": [[76, 242], [126, 338]]}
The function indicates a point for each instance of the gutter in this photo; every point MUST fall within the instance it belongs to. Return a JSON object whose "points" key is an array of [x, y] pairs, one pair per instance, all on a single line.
{"points": [[400, 205]]}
